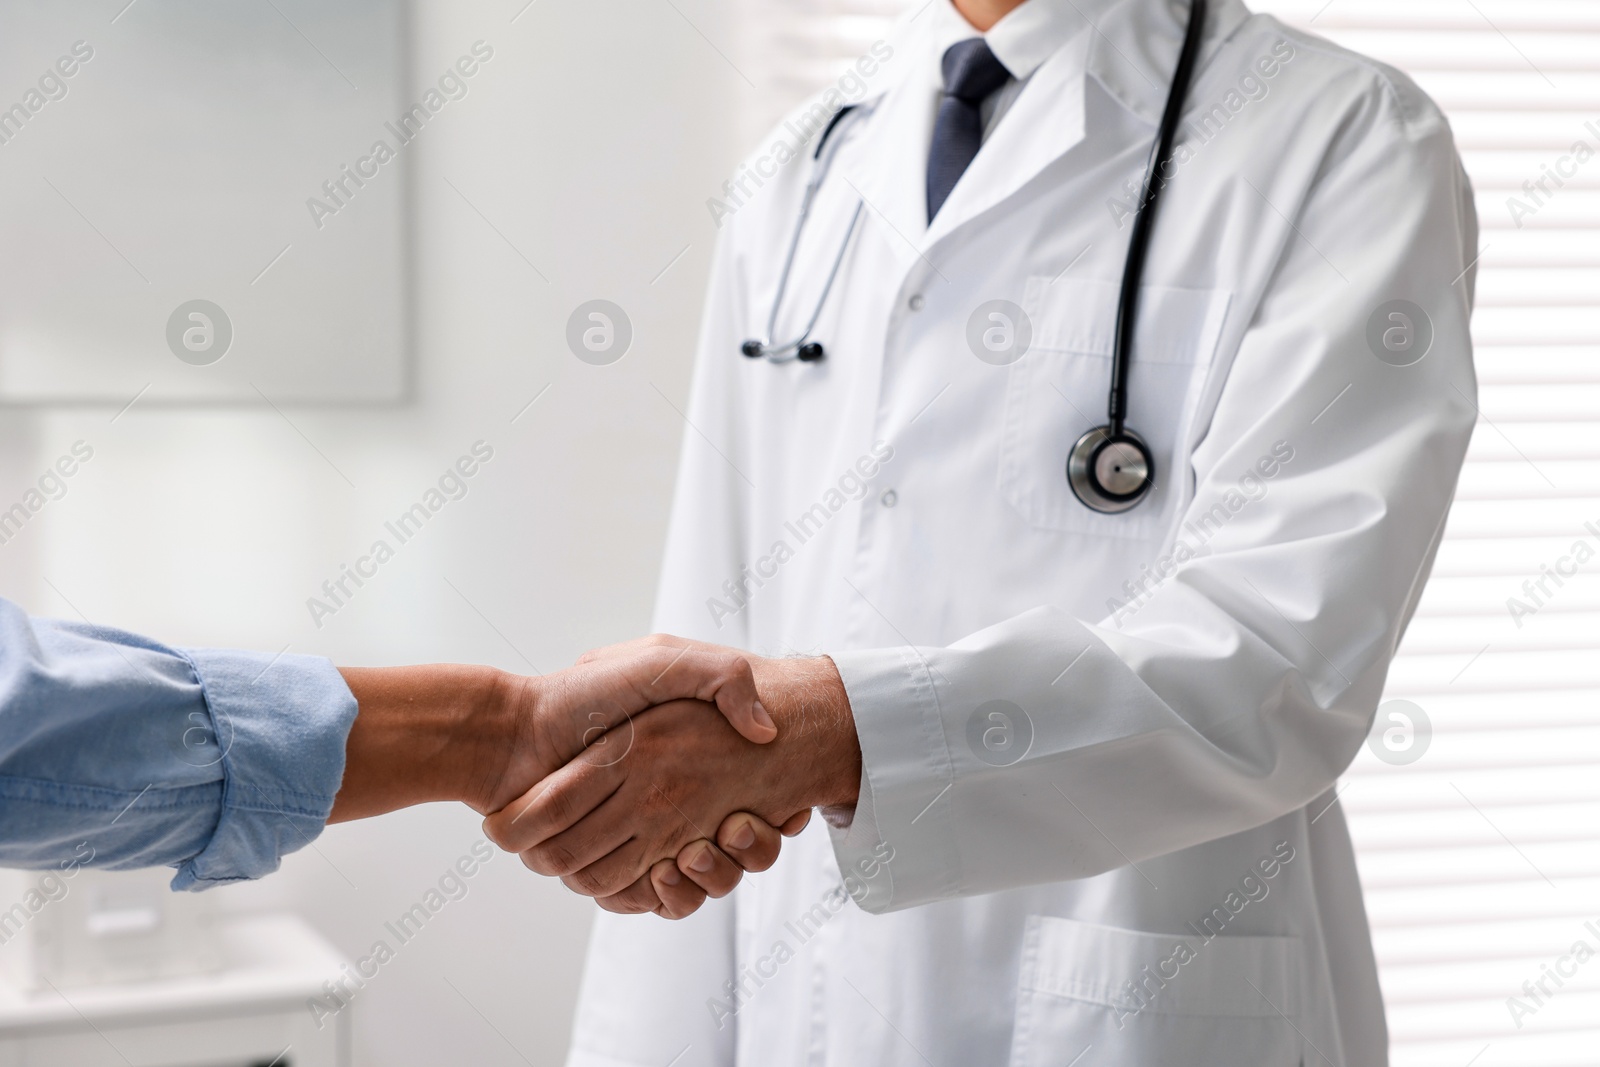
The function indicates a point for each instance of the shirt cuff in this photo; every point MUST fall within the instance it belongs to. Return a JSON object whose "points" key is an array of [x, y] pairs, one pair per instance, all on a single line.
{"points": [[900, 849], [279, 725]]}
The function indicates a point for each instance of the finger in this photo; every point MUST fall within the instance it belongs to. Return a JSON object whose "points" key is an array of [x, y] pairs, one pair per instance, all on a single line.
{"points": [[636, 899], [658, 672], [748, 841], [568, 855], [680, 897], [663, 672], [601, 692], [796, 822], [616, 842], [734, 693], [612, 872], [553, 806], [708, 867], [594, 837]]}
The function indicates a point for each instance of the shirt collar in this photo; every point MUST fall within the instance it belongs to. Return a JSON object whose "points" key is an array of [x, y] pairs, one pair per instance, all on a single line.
{"points": [[1131, 51], [1026, 37]]}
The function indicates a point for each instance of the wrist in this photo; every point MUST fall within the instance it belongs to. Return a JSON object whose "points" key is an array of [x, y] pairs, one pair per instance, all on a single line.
{"points": [[487, 732], [425, 734], [817, 742]]}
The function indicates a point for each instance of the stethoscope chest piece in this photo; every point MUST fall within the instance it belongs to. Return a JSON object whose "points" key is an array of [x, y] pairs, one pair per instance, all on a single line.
{"points": [[1110, 472]]}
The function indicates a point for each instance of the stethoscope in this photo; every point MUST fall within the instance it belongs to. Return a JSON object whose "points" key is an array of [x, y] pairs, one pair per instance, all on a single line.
{"points": [[1110, 468], [803, 348]]}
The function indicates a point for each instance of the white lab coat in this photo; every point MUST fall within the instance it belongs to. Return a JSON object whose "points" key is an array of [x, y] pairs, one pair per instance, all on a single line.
{"points": [[1163, 876]]}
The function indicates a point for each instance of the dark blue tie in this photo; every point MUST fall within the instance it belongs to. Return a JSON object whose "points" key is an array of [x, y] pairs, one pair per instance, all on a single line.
{"points": [[971, 73]]}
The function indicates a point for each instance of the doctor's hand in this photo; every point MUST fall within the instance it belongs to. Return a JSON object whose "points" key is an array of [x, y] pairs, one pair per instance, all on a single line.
{"points": [[605, 824]]}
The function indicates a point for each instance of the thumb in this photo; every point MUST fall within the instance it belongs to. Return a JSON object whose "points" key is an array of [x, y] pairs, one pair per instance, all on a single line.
{"points": [[737, 700], [632, 679], [725, 677]]}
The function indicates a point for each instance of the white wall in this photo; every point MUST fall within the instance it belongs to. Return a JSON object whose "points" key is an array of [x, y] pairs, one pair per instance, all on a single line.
{"points": [[592, 141]]}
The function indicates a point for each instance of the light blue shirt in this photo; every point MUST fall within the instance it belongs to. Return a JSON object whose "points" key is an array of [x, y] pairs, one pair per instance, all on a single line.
{"points": [[215, 762]]}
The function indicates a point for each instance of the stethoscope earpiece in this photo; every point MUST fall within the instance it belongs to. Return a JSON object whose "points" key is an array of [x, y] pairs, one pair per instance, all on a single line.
{"points": [[810, 352], [1110, 472], [802, 348]]}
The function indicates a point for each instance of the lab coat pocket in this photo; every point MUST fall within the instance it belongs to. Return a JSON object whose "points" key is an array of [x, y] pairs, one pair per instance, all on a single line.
{"points": [[1057, 391], [1152, 1000]]}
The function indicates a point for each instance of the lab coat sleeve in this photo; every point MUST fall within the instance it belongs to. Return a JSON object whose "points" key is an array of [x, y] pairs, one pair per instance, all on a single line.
{"points": [[1236, 688], [119, 752], [650, 987]]}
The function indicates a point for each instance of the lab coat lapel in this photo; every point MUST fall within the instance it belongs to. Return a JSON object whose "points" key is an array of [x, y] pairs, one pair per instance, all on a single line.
{"points": [[1129, 49], [889, 166], [1045, 123]]}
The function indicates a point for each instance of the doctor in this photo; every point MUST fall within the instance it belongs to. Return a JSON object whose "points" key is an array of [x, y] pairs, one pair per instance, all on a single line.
{"points": [[1078, 760]]}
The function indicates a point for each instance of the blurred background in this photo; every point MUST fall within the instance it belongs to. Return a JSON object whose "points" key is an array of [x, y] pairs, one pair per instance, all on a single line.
{"points": [[345, 355]]}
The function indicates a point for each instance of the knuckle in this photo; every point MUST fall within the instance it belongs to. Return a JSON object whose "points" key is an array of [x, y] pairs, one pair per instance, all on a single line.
{"points": [[737, 669], [558, 808], [624, 906], [657, 803], [591, 883], [552, 859]]}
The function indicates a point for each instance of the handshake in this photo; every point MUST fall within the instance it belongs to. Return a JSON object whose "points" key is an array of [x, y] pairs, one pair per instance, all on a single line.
{"points": [[649, 776]]}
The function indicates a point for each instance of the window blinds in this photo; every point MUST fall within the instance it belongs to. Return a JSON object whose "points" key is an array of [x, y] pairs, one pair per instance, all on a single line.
{"points": [[1481, 858]]}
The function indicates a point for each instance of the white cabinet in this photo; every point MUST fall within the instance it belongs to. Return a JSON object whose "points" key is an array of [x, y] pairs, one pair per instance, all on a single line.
{"points": [[253, 1012]]}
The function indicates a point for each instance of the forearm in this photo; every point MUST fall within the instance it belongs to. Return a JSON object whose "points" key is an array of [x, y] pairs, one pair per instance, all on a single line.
{"points": [[425, 734]]}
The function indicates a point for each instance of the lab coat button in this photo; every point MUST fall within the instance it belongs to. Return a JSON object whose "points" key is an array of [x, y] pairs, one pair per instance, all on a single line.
{"points": [[916, 302], [889, 498]]}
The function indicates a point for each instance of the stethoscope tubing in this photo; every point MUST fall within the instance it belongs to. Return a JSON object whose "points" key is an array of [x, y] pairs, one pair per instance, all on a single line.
{"points": [[827, 149], [1144, 218], [790, 350]]}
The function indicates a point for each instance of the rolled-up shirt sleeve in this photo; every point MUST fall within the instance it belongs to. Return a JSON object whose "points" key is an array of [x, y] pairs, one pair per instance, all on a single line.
{"points": [[120, 752]]}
